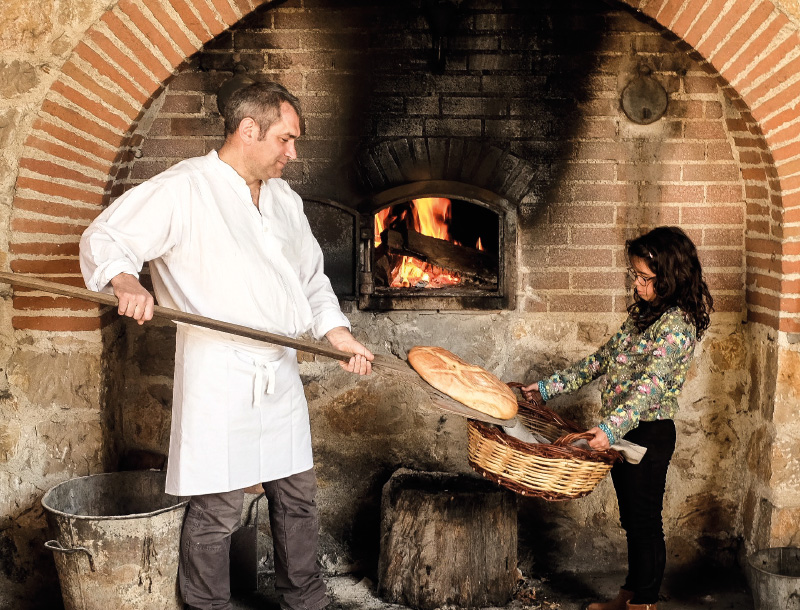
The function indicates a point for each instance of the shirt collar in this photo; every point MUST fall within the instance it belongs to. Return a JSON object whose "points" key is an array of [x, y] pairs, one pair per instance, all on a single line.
{"points": [[228, 171]]}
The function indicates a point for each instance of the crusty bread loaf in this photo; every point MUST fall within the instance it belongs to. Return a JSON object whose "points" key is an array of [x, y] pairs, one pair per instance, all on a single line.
{"points": [[467, 383]]}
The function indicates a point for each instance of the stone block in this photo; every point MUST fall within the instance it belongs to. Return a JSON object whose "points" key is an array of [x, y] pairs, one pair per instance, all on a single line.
{"points": [[727, 353], [787, 387], [455, 159], [405, 159], [16, 78], [9, 440], [69, 445], [399, 127], [786, 464], [437, 149], [749, 507], [369, 172], [8, 125], [758, 452], [593, 333], [428, 105], [474, 106], [496, 62], [785, 530], [388, 165], [146, 423], [708, 513], [23, 28], [154, 348], [517, 188], [69, 381], [763, 361], [363, 412], [453, 127]]}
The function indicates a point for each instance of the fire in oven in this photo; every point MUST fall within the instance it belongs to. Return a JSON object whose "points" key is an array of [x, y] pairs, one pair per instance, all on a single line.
{"points": [[437, 245]]}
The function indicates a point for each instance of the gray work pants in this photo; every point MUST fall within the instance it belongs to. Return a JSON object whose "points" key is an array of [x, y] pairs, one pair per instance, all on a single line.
{"points": [[204, 567]]}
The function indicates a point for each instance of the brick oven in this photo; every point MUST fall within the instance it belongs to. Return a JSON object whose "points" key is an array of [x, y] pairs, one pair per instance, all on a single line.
{"points": [[430, 245], [511, 113]]}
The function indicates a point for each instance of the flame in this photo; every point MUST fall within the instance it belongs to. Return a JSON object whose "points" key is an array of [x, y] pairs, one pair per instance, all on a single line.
{"points": [[432, 215], [380, 224], [479, 245], [429, 216]]}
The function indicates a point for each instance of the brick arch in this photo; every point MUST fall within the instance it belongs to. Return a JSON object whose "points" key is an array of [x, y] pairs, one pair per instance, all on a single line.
{"points": [[755, 49], [72, 156], [391, 163]]}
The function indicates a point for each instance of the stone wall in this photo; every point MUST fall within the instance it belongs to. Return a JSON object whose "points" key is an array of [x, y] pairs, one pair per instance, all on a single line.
{"points": [[51, 385]]}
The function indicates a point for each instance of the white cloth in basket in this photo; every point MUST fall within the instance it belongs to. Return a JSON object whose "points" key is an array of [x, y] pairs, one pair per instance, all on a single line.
{"points": [[520, 432], [632, 452]]}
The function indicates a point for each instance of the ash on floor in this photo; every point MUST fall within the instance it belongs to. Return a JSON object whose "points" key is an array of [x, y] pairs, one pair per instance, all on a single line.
{"points": [[717, 590]]}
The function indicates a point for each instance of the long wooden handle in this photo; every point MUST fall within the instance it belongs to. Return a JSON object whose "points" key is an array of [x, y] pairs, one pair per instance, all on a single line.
{"points": [[310, 347], [388, 363]]}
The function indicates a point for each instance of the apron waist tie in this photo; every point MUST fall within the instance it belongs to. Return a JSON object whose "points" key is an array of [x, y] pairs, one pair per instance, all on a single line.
{"points": [[262, 368]]}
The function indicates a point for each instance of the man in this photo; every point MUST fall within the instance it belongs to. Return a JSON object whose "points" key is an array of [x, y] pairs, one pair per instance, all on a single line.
{"points": [[227, 238]]}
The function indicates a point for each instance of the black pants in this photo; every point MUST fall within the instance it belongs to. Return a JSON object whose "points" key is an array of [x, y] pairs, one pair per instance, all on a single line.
{"points": [[640, 493]]}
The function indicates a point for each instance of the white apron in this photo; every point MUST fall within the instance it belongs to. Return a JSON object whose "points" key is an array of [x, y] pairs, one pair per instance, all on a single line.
{"points": [[239, 414]]}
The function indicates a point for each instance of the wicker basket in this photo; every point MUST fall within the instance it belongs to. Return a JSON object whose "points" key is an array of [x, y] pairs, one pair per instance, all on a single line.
{"points": [[557, 471]]}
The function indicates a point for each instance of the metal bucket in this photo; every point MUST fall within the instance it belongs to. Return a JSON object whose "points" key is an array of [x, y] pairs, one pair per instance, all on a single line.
{"points": [[774, 577], [117, 538]]}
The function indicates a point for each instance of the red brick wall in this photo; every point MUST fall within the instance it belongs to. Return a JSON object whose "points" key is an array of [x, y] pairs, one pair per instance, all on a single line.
{"points": [[72, 157], [587, 178], [752, 46]]}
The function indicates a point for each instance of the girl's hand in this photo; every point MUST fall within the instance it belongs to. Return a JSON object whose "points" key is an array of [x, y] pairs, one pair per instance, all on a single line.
{"points": [[531, 393], [600, 440]]}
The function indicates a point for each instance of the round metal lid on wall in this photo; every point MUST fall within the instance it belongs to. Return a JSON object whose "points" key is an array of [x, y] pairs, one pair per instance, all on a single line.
{"points": [[644, 99]]}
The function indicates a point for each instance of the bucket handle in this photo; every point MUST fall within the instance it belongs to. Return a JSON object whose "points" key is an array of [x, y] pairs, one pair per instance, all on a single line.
{"points": [[55, 546], [253, 504]]}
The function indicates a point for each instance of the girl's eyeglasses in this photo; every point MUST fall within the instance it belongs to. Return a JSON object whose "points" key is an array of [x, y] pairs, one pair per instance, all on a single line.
{"points": [[635, 276]]}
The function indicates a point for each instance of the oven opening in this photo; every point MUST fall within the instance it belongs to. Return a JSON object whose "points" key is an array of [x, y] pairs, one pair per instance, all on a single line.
{"points": [[436, 243]]}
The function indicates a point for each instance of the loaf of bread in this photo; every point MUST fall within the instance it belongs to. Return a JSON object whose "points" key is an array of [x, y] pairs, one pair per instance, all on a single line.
{"points": [[467, 383]]}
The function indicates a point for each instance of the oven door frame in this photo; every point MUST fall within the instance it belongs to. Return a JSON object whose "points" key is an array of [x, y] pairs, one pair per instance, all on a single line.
{"points": [[504, 297]]}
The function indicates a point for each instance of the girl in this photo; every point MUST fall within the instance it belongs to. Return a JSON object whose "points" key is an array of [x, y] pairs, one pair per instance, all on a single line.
{"points": [[644, 366]]}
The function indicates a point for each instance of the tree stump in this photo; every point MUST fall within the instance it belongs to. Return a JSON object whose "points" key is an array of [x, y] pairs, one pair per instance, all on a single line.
{"points": [[446, 539]]}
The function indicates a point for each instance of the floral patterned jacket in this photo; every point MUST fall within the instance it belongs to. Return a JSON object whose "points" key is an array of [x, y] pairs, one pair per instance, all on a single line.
{"points": [[643, 373]]}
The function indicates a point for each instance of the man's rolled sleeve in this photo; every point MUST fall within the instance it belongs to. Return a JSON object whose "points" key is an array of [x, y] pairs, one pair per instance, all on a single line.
{"points": [[326, 321], [100, 280]]}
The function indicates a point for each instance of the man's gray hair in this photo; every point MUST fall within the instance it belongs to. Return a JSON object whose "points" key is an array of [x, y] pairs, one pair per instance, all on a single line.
{"points": [[259, 101]]}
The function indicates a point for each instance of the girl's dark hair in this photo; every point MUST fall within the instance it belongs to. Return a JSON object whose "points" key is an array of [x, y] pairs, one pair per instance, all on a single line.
{"points": [[672, 257]]}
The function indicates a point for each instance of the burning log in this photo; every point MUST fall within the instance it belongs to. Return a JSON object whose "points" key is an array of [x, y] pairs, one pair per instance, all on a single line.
{"points": [[468, 262], [446, 539]]}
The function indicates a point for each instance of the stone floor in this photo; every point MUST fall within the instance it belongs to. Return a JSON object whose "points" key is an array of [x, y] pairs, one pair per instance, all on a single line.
{"points": [[713, 590]]}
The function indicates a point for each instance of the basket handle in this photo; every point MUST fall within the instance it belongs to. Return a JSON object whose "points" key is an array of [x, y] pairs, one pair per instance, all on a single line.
{"points": [[518, 385], [55, 546], [568, 439], [543, 411]]}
